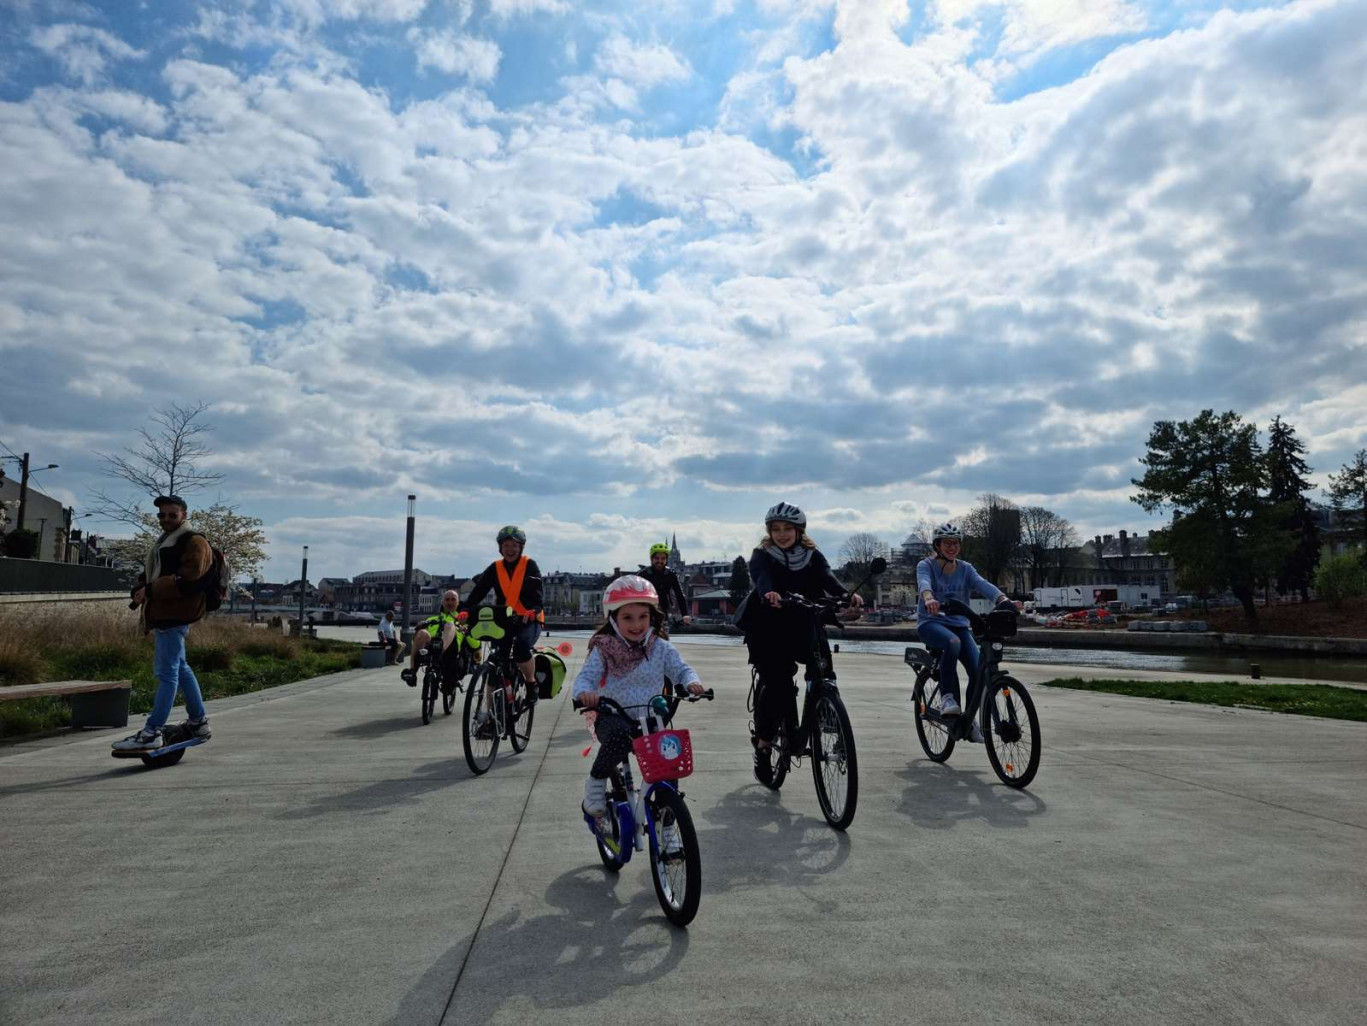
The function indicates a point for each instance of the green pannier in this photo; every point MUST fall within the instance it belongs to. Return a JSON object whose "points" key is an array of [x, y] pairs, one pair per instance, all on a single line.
{"points": [[550, 672]]}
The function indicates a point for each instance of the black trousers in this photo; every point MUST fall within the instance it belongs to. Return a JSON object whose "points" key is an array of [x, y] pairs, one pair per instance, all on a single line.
{"points": [[614, 743], [776, 663]]}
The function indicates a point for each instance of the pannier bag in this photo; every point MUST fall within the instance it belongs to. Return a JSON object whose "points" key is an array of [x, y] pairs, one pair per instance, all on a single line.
{"points": [[550, 672]]}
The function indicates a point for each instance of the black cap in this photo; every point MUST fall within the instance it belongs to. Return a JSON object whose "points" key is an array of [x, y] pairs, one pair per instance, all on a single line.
{"points": [[170, 500]]}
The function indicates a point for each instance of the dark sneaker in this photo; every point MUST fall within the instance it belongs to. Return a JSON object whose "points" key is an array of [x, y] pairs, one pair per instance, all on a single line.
{"points": [[410, 677], [143, 741], [196, 728], [530, 694], [764, 770]]}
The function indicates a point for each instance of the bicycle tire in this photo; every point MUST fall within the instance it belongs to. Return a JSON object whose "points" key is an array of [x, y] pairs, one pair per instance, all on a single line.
{"points": [[429, 694], [1013, 747], [835, 764], [779, 761], [936, 740], [520, 729], [677, 875], [612, 860], [479, 749], [448, 700]]}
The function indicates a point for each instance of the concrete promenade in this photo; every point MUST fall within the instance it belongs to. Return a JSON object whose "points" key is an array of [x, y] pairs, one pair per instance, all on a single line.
{"points": [[327, 859]]}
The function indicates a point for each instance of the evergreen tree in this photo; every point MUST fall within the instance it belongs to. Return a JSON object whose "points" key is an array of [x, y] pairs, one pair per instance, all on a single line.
{"points": [[1348, 491], [1211, 472], [739, 585], [1286, 486]]}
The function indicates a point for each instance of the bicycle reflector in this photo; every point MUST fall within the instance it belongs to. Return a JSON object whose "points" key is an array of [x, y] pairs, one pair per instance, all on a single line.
{"points": [[664, 755], [564, 648]]}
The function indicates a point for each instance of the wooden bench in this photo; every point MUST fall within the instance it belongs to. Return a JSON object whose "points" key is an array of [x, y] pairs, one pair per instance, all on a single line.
{"points": [[94, 703]]}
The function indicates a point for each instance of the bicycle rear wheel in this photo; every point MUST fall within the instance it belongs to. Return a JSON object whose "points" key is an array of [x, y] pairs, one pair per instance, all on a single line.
{"points": [[522, 714], [1013, 741], [936, 740], [448, 699], [772, 775], [835, 766], [429, 693], [480, 736], [675, 863]]}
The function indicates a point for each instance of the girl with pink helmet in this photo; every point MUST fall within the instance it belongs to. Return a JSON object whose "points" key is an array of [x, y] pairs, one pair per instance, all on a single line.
{"points": [[630, 662]]}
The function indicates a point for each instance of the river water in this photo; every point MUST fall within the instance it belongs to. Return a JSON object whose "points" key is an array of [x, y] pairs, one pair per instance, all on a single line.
{"points": [[1235, 666]]}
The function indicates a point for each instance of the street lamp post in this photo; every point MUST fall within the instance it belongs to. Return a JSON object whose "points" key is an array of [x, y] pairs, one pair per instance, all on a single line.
{"points": [[256, 581], [303, 587], [23, 486], [408, 568]]}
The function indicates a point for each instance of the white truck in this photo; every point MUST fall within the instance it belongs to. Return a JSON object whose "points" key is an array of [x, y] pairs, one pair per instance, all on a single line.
{"points": [[1091, 596]]}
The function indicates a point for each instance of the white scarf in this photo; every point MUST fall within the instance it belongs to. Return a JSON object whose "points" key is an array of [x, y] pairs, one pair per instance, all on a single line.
{"points": [[153, 564], [795, 558]]}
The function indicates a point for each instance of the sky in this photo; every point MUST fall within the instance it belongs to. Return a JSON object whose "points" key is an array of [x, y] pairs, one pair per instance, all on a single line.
{"points": [[612, 270]]}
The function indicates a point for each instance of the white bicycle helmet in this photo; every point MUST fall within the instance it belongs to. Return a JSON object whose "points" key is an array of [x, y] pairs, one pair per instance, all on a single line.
{"points": [[786, 511], [949, 529]]}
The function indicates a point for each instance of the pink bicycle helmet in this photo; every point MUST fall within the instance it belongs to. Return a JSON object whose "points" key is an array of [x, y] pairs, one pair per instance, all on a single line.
{"points": [[627, 589]]}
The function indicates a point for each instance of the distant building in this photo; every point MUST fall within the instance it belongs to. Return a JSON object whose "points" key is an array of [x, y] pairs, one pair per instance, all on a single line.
{"points": [[42, 513], [378, 590], [1122, 559], [913, 549]]}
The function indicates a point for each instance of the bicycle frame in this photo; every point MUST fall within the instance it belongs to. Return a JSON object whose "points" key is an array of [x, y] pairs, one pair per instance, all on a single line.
{"points": [[630, 815], [990, 653]]}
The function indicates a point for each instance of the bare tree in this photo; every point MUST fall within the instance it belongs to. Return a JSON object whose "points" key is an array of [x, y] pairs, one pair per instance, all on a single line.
{"points": [[992, 537], [165, 462], [861, 549], [1047, 541]]}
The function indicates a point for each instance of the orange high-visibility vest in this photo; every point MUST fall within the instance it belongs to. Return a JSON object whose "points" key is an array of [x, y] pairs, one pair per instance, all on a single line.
{"points": [[512, 587]]}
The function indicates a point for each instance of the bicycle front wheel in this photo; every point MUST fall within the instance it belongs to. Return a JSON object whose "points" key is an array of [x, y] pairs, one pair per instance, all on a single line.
{"points": [[936, 740], [675, 863], [1013, 742], [835, 767], [429, 694], [523, 712], [479, 731], [448, 699]]}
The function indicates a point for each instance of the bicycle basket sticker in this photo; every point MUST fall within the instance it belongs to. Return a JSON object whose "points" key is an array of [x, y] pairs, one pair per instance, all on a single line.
{"points": [[669, 747]]}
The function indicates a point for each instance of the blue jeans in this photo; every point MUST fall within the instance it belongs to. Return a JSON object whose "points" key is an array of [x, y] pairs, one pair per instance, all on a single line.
{"points": [[173, 673], [956, 645]]}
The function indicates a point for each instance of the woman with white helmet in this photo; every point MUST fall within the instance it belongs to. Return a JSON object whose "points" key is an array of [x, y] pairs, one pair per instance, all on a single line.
{"points": [[939, 578], [630, 662], [786, 560]]}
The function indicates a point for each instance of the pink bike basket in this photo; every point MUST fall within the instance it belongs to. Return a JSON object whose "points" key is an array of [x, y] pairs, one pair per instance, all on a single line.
{"points": [[664, 755]]}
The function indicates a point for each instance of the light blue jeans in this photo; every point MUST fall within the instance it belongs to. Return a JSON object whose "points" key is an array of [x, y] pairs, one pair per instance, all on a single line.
{"points": [[173, 673], [956, 645]]}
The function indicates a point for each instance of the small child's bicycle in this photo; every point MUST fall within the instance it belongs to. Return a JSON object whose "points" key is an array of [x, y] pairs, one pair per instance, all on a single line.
{"points": [[656, 817]]}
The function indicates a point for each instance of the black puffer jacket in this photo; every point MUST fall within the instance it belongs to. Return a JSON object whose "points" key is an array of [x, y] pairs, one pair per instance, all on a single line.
{"points": [[815, 580]]}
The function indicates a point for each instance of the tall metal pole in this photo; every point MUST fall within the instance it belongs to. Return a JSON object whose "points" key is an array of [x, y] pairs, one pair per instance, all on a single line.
{"points": [[23, 490], [303, 586], [256, 581], [408, 567]]}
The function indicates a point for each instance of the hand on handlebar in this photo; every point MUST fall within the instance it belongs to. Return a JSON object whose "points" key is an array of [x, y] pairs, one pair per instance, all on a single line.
{"points": [[588, 700], [773, 598], [933, 607], [696, 688]]}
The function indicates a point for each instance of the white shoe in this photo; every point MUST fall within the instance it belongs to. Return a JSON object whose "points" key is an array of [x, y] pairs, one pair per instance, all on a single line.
{"points": [[949, 706], [145, 740], [595, 798], [976, 734]]}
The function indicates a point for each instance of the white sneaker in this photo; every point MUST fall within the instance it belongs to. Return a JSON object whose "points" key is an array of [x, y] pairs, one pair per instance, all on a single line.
{"points": [[595, 798], [143, 741], [976, 734], [197, 728], [949, 706]]}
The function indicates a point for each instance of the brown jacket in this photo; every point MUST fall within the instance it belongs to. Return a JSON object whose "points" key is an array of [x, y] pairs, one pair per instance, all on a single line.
{"points": [[174, 598]]}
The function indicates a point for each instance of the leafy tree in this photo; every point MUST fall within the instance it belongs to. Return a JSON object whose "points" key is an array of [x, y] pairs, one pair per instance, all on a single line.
{"points": [[21, 543], [165, 462], [992, 536], [1348, 492], [1210, 473], [1287, 486], [739, 585], [1047, 544], [1340, 577]]}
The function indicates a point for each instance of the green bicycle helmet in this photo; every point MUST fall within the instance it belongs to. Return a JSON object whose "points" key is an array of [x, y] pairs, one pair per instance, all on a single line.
{"points": [[659, 547], [513, 532]]}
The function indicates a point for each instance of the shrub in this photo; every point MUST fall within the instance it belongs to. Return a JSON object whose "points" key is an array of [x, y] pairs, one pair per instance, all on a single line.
{"points": [[20, 661], [1340, 577], [209, 657], [21, 543], [100, 660]]}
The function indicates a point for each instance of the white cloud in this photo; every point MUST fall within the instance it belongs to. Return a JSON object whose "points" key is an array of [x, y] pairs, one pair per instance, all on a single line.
{"points": [[83, 50], [518, 8], [456, 54], [638, 64]]}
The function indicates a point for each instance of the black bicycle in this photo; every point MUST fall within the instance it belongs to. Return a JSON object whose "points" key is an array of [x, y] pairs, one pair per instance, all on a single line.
{"points": [[497, 702], [824, 733], [442, 674], [1001, 705]]}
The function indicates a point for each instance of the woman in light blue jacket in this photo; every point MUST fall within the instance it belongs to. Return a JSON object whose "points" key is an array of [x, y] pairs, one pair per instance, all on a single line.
{"points": [[939, 578]]}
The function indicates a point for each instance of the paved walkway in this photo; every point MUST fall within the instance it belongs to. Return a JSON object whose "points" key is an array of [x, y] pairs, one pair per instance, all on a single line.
{"points": [[327, 859]]}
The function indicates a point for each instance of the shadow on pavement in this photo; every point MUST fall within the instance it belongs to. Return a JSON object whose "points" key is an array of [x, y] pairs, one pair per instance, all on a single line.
{"points": [[751, 839], [387, 795], [379, 728], [592, 945], [426, 1000], [941, 796], [130, 767]]}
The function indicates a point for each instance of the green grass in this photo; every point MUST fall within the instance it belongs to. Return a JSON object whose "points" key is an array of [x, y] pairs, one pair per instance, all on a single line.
{"points": [[228, 657], [1324, 700]]}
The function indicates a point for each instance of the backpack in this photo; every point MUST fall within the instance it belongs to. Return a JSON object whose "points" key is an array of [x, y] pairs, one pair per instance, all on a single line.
{"points": [[217, 579]]}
